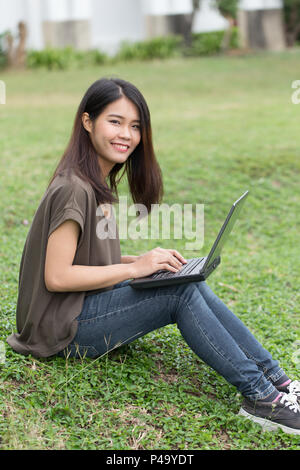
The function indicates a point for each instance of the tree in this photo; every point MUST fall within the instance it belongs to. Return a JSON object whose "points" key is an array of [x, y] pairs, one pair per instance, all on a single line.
{"points": [[188, 23], [16, 55], [291, 10], [228, 9]]}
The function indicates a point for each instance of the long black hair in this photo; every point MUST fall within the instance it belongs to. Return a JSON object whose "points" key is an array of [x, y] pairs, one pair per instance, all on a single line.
{"points": [[143, 171]]}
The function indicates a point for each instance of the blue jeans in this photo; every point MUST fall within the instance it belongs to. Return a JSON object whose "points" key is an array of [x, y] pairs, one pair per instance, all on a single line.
{"points": [[212, 331]]}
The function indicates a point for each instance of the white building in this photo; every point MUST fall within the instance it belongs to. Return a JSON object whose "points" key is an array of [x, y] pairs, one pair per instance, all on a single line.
{"points": [[103, 24], [261, 24], [99, 24]]}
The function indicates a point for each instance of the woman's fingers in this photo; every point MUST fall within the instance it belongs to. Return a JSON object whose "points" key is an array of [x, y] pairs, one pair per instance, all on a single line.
{"points": [[178, 255], [168, 267], [174, 253], [174, 258]]}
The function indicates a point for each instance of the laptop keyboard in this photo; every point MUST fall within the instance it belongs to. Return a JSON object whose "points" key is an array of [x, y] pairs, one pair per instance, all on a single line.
{"points": [[186, 269]]}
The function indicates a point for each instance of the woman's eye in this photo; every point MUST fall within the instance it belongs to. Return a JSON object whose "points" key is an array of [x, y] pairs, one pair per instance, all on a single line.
{"points": [[118, 123]]}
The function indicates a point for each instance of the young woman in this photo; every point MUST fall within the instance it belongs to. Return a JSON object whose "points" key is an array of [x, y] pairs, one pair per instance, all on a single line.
{"points": [[74, 298]]}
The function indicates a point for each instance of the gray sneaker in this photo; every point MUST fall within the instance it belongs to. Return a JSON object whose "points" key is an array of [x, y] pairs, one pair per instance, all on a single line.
{"points": [[283, 414], [293, 387]]}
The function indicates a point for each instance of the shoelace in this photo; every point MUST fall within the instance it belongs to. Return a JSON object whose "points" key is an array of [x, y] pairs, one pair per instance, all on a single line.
{"points": [[290, 400], [294, 387]]}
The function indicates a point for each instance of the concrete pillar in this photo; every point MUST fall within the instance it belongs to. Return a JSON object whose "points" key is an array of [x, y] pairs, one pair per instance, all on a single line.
{"points": [[32, 19], [67, 23], [261, 24], [163, 17]]}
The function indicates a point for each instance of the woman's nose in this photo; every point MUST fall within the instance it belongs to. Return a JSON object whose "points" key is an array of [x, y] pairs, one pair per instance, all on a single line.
{"points": [[124, 132]]}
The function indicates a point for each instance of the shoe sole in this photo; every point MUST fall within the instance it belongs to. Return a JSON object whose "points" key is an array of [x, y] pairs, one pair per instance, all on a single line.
{"points": [[268, 425]]}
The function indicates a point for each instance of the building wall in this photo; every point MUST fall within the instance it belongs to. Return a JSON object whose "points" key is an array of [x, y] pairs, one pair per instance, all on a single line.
{"points": [[10, 13], [104, 24], [249, 5], [166, 7], [209, 19], [261, 24], [114, 21]]}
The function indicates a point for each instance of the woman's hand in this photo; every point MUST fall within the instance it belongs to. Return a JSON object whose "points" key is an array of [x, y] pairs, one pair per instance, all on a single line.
{"points": [[155, 260]]}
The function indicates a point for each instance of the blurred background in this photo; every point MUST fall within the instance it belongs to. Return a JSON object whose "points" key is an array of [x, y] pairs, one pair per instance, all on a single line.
{"points": [[109, 27]]}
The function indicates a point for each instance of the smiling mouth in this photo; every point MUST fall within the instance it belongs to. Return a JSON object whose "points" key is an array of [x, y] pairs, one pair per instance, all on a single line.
{"points": [[120, 147]]}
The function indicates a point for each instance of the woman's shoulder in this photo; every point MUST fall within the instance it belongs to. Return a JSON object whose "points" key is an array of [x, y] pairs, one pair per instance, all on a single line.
{"points": [[68, 189], [69, 181]]}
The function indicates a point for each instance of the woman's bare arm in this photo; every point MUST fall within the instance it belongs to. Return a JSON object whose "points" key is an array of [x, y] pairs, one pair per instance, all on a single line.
{"points": [[128, 259], [62, 276]]}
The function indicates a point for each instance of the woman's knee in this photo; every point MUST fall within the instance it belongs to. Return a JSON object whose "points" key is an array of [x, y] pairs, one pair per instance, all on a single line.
{"points": [[205, 290], [186, 289], [188, 295]]}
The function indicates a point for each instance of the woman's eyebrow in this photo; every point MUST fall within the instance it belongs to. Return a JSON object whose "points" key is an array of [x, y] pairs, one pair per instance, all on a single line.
{"points": [[122, 117]]}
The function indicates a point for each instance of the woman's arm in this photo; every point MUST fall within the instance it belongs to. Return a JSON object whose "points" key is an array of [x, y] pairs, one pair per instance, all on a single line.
{"points": [[128, 259], [62, 276]]}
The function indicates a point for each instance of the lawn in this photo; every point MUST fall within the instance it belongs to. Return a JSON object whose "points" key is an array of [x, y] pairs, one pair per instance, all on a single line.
{"points": [[221, 126]]}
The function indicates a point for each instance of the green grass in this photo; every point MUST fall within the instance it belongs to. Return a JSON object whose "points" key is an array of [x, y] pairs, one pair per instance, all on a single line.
{"points": [[221, 126]]}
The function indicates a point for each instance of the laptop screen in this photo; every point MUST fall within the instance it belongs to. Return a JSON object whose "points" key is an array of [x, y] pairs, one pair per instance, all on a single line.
{"points": [[225, 230]]}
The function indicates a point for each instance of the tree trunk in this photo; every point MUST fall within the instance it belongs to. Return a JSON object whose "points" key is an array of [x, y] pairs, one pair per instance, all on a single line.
{"points": [[10, 49], [187, 30], [21, 49], [188, 21], [227, 34], [16, 56]]}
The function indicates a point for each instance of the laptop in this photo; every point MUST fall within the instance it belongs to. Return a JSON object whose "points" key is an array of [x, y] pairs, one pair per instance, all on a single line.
{"points": [[196, 269]]}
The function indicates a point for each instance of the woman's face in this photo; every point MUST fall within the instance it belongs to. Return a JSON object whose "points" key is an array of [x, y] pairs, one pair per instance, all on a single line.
{"points": [[115, 133]]}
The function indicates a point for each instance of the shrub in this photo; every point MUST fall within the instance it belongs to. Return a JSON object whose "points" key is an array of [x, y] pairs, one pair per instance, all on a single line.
{"points": [[156, 48], [53, 58], [3, 58], [210, 43], [92, 57], [50, 58], [206, 43]]}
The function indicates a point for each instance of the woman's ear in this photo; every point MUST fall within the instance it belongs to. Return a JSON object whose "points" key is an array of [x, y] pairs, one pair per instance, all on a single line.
{"points": [[86, 122]]}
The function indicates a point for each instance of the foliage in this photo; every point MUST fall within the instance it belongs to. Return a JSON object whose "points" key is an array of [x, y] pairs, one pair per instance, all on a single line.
{"points": [[206, 43], [173, 46], [3, 59], [53, 58], [156, 48], [291, 9], [227, 8], [211, 43]]}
